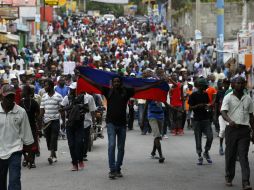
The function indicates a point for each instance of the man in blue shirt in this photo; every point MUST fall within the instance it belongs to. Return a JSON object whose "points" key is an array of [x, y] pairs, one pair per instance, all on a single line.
{"points": [[61, 88], [155, 115]]}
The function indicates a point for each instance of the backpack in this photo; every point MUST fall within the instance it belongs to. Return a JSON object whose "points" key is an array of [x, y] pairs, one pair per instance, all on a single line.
{"points": [[77, 110]]}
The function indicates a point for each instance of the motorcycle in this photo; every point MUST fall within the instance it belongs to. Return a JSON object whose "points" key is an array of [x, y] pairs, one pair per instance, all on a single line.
{"points": [[96, 130]]}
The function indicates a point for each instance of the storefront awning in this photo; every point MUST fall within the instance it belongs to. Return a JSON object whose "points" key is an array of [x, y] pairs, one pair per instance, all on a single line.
{"points": [[9, 39]]}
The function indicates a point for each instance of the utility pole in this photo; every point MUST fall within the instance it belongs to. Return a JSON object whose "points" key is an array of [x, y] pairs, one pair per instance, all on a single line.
{"points": [[245, 15], [198, 33], [198, 27], [169, 13], [37, 22], [220, 31], [84, 6]]}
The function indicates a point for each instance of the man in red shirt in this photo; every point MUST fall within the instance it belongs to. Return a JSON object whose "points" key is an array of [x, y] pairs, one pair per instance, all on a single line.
{"points": [[176, 105]]}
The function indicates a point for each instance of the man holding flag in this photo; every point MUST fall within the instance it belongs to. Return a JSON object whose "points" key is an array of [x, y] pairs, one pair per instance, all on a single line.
{"points": [[117, 96]]}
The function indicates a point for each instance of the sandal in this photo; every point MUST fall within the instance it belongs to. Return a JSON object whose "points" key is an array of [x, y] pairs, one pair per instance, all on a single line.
{"points": [[24, 163]]}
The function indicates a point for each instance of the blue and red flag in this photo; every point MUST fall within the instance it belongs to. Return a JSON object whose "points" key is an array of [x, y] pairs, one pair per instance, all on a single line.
{"points": [[158, 92]]}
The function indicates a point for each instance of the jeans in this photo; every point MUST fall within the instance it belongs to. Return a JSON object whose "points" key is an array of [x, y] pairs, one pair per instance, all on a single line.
{"points": [[199, 128], [113, 132], [237, 142], [13, 165], [75, 141]]}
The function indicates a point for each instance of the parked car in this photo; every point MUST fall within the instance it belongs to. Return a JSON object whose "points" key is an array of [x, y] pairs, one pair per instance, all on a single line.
{"points": [[141, 18], [109, 17]]}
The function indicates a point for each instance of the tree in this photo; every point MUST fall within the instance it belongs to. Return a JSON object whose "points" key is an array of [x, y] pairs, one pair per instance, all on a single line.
{"points": [[105, 8]]}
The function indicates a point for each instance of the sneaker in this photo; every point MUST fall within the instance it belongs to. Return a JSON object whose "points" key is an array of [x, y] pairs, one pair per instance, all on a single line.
{"points": [[32, 165], [221, 151], [153, 156], [247, 187], [200, 161], [119, 174], [54, 159], [161, 160], [50, 160], [74, 167], [180, 132], [207, 157], [24, 163], [174, 132], [81, 165], [165, 137], [229, 183], [112, 175]]}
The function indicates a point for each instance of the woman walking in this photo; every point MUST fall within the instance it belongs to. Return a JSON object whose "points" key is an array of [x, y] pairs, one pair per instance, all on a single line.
{"points": [[33, 111]]}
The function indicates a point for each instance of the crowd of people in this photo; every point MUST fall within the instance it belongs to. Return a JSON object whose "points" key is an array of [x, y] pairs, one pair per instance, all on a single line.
{"points": [[43, 81]]}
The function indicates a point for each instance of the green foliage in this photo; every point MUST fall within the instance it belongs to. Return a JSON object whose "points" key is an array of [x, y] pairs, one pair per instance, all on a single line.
{"points": [[105, 8]]}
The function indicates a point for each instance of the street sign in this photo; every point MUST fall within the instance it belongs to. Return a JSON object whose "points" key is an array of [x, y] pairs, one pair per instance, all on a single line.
{"points": [[198, 35], [37, 18], [9, 12]]}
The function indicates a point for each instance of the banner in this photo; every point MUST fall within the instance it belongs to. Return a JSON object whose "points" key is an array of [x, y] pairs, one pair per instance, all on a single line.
{"points": [[156, 90], [113, 1]]}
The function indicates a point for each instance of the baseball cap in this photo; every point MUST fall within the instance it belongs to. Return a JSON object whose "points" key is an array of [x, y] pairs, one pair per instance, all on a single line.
{"points": [[38, 75], [73, 85], [7, 89], [183, 70], [40, 71], [203, 82]]}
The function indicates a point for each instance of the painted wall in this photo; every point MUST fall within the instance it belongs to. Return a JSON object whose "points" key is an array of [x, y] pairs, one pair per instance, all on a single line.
{"points": [[185, 24], [20, 2]]}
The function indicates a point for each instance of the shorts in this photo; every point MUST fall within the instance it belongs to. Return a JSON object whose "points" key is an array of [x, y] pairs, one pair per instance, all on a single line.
{"points": [[156, 126], [223, 125]]}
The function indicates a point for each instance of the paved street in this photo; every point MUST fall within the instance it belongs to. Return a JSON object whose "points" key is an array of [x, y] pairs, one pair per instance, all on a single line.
{"points": [[179, 172]]}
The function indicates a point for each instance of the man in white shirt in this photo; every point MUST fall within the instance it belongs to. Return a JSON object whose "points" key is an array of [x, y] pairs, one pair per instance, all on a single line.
{"points": [[50, 105], [219, 75], [15, 131], [237, 109], [76, 129]]}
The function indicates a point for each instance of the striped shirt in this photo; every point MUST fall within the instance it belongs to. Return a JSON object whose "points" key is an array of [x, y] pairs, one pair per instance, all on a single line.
{"points": [[51, 105]]}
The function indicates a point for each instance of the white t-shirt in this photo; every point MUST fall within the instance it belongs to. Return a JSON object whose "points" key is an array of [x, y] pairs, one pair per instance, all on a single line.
{"points": [[21, 63], [51, 105]]}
